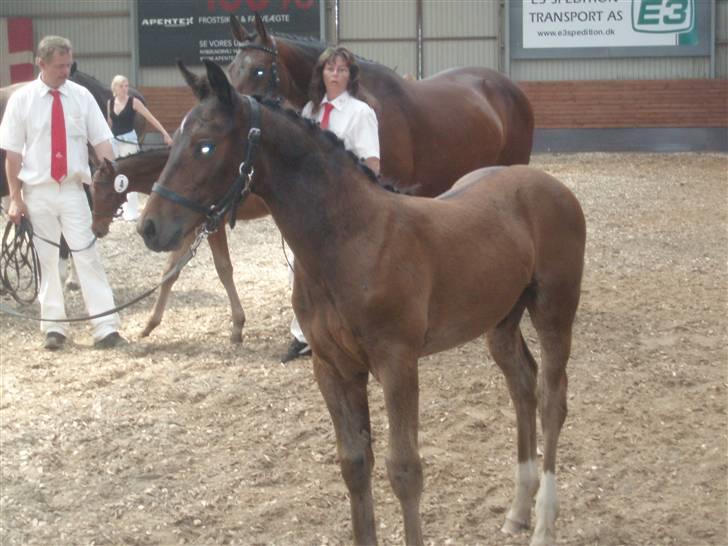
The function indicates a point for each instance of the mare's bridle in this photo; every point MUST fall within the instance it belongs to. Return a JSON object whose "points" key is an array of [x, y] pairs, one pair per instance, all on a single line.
{"points": [[274, 82], [238, 191]]}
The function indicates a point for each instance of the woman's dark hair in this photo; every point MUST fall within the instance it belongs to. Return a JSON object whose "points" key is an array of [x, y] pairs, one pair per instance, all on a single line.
{"points": [[317, 89]]}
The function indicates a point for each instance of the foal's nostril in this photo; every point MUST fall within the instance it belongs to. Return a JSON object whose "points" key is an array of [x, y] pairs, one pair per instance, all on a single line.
{"points": [[147, 229]]}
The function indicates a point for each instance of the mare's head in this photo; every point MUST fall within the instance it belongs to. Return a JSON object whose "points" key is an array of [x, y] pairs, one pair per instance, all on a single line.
{"points": [[206, 152], [266, 66]]}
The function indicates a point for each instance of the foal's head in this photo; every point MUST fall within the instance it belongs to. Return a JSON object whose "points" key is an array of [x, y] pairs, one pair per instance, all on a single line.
{"points": [[203, 161], [108, 192]]}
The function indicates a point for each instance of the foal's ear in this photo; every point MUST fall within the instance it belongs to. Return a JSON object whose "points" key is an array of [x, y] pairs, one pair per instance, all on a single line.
{"points": [[198, 84], [74, 67], [262, 31], [107, 166], [238, 30], [219, 83]]}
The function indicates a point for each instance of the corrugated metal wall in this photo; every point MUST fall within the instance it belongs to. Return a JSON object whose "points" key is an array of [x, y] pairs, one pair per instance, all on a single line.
{"points": [[721, 41], [382, 31], [460, 34], [454, 33]]}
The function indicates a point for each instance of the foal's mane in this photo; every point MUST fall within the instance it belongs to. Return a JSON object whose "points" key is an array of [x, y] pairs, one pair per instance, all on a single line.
{"points": [[332, 141]]}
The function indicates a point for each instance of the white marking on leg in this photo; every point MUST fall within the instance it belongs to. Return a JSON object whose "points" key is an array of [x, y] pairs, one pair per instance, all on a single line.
{"points": [[519, 516], [547, 510]]}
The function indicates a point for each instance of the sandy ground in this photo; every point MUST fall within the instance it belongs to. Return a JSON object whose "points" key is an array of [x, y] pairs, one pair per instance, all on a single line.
{"points": [[184, 438]]}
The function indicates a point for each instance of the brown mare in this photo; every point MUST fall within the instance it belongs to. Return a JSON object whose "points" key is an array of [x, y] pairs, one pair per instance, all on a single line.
{"points": [[137, 172], [431, 131], [382, 279]]}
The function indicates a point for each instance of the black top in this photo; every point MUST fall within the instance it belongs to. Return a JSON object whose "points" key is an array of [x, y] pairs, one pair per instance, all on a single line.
{"points": [[124, 121]]}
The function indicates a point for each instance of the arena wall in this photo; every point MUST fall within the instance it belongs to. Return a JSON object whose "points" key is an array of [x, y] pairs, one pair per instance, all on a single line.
{"points": [[680, 99]]}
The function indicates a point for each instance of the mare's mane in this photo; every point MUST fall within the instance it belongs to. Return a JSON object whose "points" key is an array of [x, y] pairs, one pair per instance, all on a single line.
{"points": [[148, 151]]}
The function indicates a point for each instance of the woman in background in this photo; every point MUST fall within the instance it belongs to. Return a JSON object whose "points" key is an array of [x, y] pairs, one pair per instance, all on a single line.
{"points": [[120, 115], [335, 104]]}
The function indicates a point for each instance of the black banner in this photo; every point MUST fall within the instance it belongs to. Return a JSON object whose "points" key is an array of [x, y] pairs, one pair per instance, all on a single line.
{"points": [[193, 30]]}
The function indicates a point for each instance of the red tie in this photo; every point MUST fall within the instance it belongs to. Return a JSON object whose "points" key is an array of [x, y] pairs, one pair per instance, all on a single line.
{"points": [[58, 138], [327, 112]]}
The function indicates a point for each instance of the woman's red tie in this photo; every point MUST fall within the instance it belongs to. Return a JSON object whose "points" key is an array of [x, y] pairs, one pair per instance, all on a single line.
{"points": [[59, 167], [327, 112]]}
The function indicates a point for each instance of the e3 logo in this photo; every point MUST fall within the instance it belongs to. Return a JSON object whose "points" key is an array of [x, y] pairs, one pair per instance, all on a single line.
{"points": [[663, 15]]}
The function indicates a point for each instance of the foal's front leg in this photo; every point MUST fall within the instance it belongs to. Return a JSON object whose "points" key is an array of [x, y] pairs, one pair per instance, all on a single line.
{"points": [[399, 380], [346, 399]]}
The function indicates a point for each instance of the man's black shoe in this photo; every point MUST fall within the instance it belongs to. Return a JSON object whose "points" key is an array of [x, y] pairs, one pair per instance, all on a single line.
{"points": [[110, 341], [296, 349], [54, 341]]}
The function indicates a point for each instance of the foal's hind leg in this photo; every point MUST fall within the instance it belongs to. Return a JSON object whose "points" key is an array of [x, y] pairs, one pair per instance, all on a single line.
{"points": [[510, 352], [224, 267], [552, 313], [346, 399]]}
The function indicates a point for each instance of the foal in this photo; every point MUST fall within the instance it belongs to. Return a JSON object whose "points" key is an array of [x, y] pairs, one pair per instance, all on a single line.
{"points": [[374, 286]]}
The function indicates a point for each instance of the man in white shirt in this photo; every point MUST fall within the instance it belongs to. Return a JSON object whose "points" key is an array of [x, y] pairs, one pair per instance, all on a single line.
{"points": [[45, 129]]}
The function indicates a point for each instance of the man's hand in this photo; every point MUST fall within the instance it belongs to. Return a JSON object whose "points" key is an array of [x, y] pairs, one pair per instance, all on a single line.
{"points": [[13, 162], [17, 210]]}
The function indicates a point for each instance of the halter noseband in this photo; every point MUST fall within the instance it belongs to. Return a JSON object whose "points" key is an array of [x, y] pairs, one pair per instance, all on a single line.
{"points": [[274, 82], [238, 191]]}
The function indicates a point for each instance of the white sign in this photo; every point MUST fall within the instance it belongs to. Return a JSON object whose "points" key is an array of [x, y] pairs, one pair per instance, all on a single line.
{"points": [[606, 23]]}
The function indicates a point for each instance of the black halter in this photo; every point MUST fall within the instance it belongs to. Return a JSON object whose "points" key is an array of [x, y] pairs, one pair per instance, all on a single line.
{"points": [[274, 82], [237, 193]]}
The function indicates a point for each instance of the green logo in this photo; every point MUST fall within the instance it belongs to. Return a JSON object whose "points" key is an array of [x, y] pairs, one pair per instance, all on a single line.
{"points": [[663, 16]]}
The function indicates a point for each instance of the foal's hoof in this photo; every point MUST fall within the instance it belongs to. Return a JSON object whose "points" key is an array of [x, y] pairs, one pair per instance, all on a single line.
{"points": [[513, 527], [236, 337]]}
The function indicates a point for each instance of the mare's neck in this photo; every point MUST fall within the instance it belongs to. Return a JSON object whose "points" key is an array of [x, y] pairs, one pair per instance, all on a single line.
{"points": [[299, 66], [143, 170]]}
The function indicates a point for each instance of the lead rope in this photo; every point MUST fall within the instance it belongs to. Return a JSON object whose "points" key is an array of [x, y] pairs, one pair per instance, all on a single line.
{"points": [[186, 257]]}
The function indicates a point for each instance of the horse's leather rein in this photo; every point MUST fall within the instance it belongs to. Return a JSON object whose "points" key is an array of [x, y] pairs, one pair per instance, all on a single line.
{"points": [[238, 191]]}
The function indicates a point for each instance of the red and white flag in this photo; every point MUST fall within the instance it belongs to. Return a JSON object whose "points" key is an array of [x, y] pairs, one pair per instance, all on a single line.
{"points": [[16, 50]]}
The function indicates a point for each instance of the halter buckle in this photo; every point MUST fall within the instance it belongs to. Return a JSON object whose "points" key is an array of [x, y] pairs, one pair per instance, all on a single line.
{"points": [[254, 134]]}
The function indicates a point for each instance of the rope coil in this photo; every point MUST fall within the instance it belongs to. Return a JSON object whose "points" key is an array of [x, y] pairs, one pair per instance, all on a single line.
{"points": [[19, 264]]}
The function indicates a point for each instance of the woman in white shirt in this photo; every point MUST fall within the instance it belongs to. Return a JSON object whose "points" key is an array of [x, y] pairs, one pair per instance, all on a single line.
{"points": [[335, 82], [334, 104]]}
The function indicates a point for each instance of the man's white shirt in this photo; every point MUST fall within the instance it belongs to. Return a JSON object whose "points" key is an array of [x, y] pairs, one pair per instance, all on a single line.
{"points": [[26, 130]]}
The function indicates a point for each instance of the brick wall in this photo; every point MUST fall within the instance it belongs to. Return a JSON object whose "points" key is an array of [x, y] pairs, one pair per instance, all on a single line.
{"points": [[565, 104], [633, 103]]}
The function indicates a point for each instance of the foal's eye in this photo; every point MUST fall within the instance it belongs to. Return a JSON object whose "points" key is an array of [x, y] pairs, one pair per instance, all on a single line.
{"points": [[259, 72], [205, 148]]}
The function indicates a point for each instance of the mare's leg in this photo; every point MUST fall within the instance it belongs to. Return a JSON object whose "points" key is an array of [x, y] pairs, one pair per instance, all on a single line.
{"points": [[156, 317], [404, 467], [224, 267], [346, 399], [511, 353], [552, 313]]}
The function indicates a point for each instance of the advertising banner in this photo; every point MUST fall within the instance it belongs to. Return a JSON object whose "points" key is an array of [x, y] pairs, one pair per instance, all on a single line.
{"points": [[193, 30], [597, 28]]}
